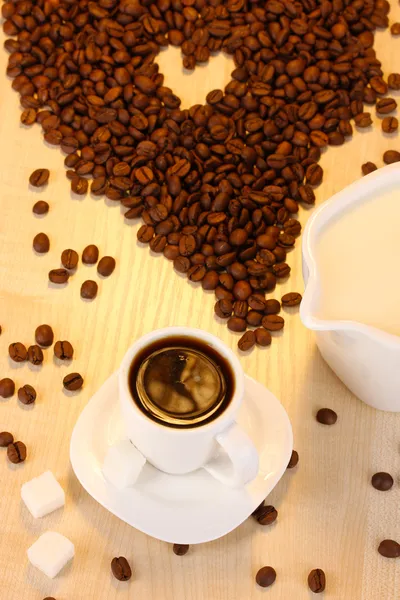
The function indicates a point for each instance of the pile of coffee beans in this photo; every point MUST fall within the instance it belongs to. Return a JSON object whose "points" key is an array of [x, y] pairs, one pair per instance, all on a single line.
{"points": [[218, 185]]}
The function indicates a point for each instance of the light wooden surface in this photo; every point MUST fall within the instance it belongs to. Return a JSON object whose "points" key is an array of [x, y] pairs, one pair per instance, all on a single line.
{"points": [[329, 515]]}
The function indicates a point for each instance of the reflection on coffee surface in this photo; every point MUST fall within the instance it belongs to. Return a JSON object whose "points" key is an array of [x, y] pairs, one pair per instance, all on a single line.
{"points": [[183, 383]]}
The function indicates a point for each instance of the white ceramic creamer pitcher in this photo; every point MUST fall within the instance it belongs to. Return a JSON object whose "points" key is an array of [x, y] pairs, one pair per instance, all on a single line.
{"points": [[365, 357]]}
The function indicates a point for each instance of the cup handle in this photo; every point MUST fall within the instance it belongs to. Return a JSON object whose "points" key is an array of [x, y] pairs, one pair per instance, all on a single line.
{"points": [[237, 461]]}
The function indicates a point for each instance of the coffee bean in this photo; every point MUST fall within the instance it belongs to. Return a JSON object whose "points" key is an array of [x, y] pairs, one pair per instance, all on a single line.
{"points": [[58, 276], [120, 568], [41, 243], [182, 264], [291, 299], [16, 452], [236, 324], [395, 29], [382, 481], [394, 81], [263, 337], [17, 352], [35, 355], [391, 156], [368, 168], [317, 581], [389, 549], [6, 439], [266, 515], [363, 120], [40, 207], [254, 318], [247, 341], [326, 416], [210, 280], [90, 255], [73, 381], [39, 177], [385, 106], [294, 459], [27, 394], [69, 259], [272, 307], [390, 124], [180, 549], [106, 266], [7, 387], [242, 290], [89, 289], [223, 308], [28, 116], [273, 322], [44, 335], [79, 185], [266, 576], [63, 350]]}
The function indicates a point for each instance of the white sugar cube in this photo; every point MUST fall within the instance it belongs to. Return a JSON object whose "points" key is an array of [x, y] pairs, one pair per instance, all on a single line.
{"points": [[51, 552], [43, 494], [123, 464]]}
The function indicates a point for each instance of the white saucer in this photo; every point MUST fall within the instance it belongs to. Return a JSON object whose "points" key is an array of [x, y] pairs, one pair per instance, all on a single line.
{"points": [[185, 509]]}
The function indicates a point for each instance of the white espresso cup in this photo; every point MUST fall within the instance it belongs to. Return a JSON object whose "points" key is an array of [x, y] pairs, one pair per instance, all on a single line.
{"points": [[219, 446]]}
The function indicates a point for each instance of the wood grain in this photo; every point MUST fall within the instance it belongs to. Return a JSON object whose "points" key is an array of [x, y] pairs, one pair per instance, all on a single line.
{"points": [[329, 515]]}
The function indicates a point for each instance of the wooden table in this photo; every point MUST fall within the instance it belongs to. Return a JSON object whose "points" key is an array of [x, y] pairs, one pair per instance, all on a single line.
{"points": [[329, 514]]}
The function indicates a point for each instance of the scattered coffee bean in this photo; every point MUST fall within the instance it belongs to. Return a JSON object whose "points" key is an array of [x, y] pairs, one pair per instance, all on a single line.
{"points": [[180, 549], [390, 124], [265, 515], [368, 168], [382, 481], [40, 207], [395, 29], [394, 81], [384, 106], [317, 581], [106, 266], [89, 289], [294, 459], [272, 307], [273, 322], [326, 416], [39, 177], [17, 352], [35, 355], [90, 255], [121, 569], [73, 382], [389, 549], [41, 243], [266, 576], [16, 452], [44, 335], [7, 387], [247, 341], [291, 299], [263, 337], [63, 350], [391, 156], [27, 394], [69, 259], [49, 598], [6, 439], [58, 276]]}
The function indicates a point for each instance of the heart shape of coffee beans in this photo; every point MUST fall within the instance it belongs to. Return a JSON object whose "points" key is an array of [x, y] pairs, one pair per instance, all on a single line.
{"points": [[216, 185]]}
